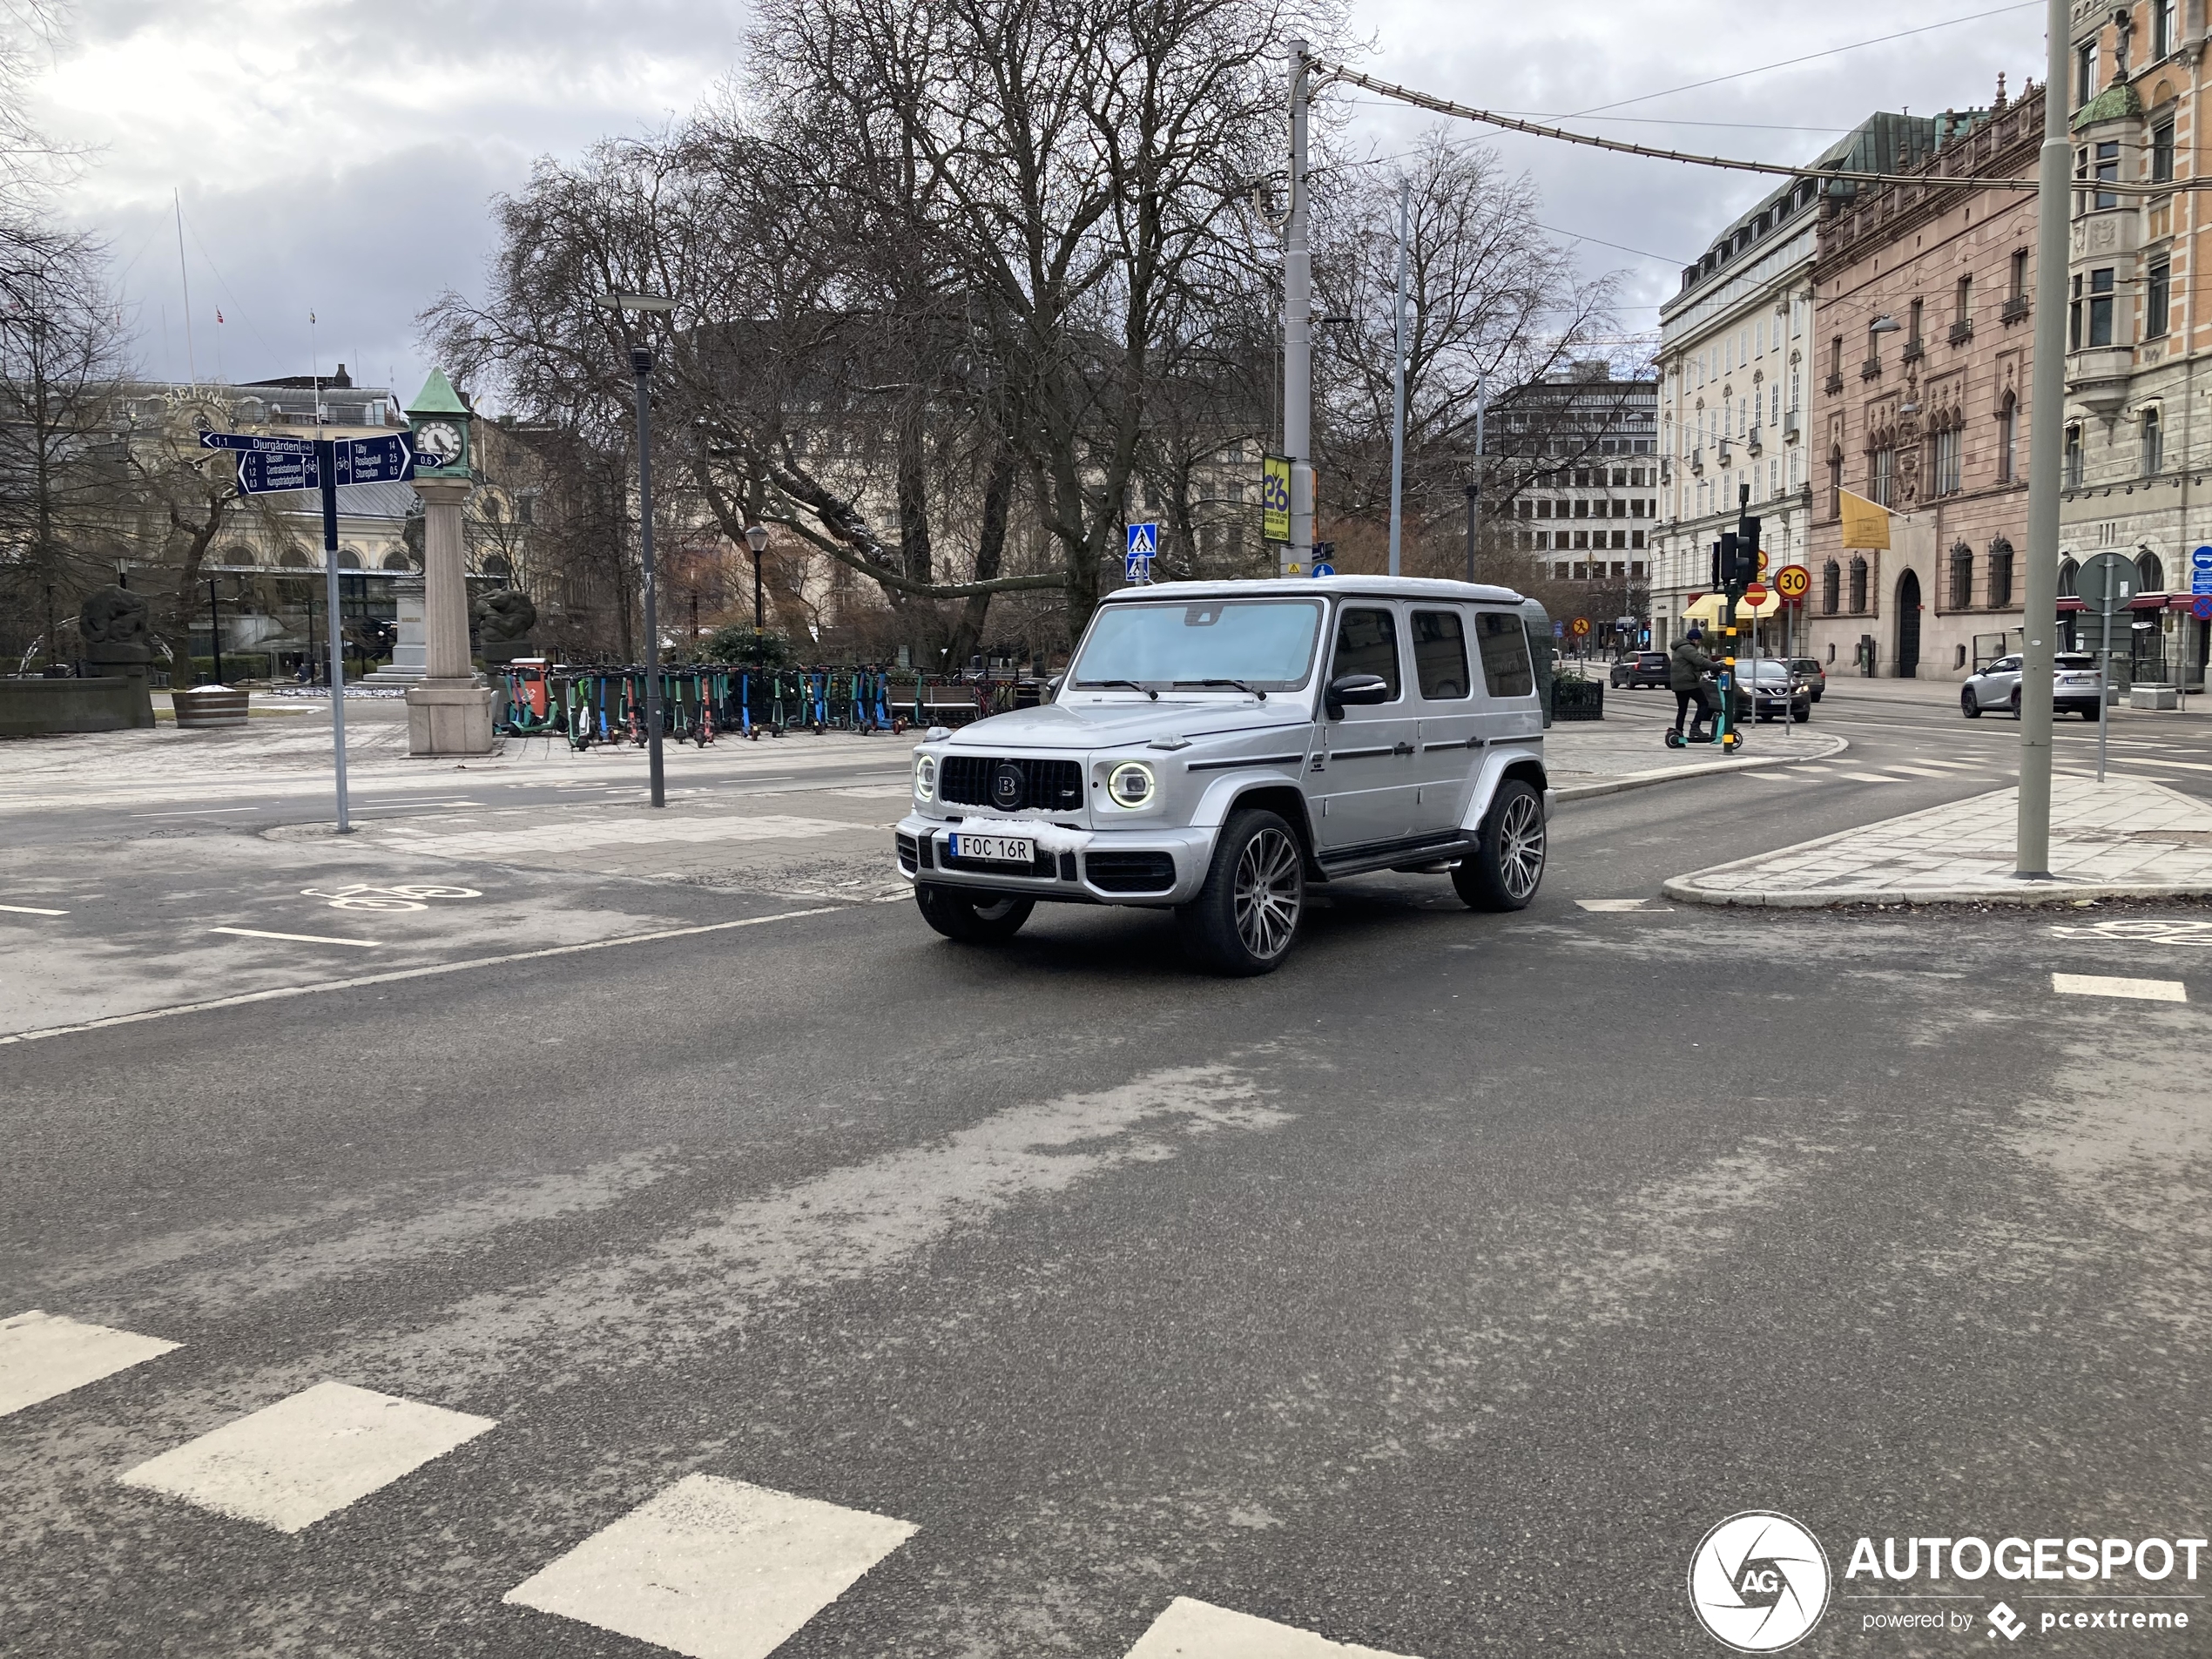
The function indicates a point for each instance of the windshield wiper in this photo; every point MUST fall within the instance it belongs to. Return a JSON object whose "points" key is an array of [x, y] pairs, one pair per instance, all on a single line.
{"points": [[1239, 684], [1132, 686]]}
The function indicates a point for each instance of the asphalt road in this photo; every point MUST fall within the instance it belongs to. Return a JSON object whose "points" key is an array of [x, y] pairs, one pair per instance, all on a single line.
{"points": [[1435, 1294]]}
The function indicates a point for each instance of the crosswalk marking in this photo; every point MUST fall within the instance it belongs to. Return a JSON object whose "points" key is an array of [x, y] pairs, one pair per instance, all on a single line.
{"points": [[1916, 771], [714, 1568], [1192, 1629], [1948, 765], [1604, 905], [1866, 777], [2147, 990], [290, 1463], [45, 1354]]}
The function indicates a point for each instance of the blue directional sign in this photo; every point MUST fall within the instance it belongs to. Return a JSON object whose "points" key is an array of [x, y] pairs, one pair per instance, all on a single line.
{"points": [[1323, 568], [376, 461], [261, 473], [2201, 570], [252, 443]]}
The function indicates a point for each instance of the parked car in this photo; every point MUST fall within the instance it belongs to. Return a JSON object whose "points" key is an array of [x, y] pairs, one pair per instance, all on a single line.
{"points": [[1766, 689], [2073, 686], [1643, 670], [1217, 748], [1809, 670]]}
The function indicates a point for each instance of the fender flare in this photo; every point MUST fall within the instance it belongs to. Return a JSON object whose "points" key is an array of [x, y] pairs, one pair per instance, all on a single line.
{"points": [[1498, 765], [1212, 811]]}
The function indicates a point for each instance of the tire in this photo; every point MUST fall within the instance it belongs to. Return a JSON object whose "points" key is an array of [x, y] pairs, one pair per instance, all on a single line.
{"points": [[1805, 714], [1504, 872], [2090, 715], [1969, 704], [2015, 704], [1246, 917], [980, 919]]}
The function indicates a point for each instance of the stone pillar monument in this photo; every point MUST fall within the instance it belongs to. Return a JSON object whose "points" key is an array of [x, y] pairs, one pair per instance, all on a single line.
{"points": [[448, 710], [409, 660], [113, 625]]}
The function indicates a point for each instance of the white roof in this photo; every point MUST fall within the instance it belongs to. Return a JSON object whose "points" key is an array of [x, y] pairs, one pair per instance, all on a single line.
{"points": [[1407, 587]]}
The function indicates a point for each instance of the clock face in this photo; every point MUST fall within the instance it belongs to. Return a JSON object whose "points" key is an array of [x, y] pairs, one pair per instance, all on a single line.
{"points": [[438, 442]]}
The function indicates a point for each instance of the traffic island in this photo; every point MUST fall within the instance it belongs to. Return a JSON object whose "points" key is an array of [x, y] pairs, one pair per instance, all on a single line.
{"points": [[2123, 839]]}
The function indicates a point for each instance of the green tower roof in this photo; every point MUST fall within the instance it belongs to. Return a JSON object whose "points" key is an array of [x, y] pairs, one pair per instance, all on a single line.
{"points": [[437, 397], [2116, 102]]}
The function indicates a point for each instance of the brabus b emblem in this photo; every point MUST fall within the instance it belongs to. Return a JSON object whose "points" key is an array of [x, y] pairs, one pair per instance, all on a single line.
{"points": [[1006, 787]]}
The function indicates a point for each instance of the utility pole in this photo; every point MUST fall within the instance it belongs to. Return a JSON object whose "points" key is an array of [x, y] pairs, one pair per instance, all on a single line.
{"points": [[1398, 384], [1474, 488], [1297, 331], [2046, 454]]}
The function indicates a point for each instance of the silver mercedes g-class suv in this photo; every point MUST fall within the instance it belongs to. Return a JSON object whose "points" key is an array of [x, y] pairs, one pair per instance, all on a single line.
{"points": [[1216, 747]]}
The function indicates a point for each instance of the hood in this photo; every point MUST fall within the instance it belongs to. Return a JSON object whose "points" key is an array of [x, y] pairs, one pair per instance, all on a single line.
{"points": [[1091, 725]]}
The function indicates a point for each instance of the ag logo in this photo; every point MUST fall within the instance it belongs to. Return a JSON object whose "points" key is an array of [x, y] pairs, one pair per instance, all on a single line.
{"points": [[1758, 1582]]}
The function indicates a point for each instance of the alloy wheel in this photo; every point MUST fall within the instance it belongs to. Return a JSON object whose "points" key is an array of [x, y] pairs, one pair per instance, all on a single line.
{"points": [[1521, 846], [1267, 894]]}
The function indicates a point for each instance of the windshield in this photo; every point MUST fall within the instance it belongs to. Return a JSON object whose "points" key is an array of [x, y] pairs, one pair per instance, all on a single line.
{"points": [[1266, 644], [1766, 668]]}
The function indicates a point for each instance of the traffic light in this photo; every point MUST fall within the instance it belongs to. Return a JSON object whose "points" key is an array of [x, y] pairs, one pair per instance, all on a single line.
{"points": [[1735, 564]]}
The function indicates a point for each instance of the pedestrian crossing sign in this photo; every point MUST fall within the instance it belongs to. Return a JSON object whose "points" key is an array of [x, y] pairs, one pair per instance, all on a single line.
{"points": [[1143, 541]]}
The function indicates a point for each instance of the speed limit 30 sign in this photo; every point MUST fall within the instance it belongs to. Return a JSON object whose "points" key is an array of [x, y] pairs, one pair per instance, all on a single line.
{"points": [[1793, 581]]}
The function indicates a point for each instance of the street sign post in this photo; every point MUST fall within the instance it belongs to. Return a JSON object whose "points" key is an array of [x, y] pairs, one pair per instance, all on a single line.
{"points": [[1144, 543], [1793, 581], [2106, 584], [2201, 607], [269, 466], [2201, 570]]}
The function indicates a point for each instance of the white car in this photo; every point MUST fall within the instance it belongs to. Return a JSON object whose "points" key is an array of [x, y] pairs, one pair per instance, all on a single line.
{"points": [[1216, 747], [2073, 686]]}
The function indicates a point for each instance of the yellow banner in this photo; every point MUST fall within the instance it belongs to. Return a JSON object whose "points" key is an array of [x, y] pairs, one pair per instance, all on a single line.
{"points": [[1275, 498], [1867, 526]]}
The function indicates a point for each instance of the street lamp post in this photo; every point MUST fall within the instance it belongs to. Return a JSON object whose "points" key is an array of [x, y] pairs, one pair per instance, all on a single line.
{"points": [[641, 365], [756, 539]]}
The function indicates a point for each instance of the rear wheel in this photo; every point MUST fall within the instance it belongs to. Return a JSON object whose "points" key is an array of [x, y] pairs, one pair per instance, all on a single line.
{"points": [[1503, 872], [980, 919], [1969, 704], [1246, 916], [2015, 704]]}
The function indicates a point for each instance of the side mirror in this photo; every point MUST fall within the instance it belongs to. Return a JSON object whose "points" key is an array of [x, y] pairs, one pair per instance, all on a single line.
{"points": [[1052, 688], [1356, 688]]}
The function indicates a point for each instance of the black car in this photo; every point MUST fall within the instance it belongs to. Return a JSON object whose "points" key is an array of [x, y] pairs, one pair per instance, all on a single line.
{"points": [[1766, 689], [1645, 670]]}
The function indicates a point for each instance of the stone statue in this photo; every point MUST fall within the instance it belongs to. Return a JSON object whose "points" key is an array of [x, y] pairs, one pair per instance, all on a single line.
{"points": [[504, 614], [114, 621]]}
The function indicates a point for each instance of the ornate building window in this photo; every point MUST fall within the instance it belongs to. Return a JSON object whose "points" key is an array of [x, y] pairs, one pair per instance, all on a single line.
{"points": [[1831, 586], [2069, 579], [2000, 574], [1962, 576], [2150, 574], [1857, 583], [2154, 443], [2008, 430]]}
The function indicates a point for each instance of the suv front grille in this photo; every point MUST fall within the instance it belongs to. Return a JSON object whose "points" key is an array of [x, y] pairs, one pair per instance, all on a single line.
{"points": [[1046, 786], [1131, 872]]}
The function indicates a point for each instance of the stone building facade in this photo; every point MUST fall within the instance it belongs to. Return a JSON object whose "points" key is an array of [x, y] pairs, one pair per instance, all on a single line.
{"points": [[1922, 337], [2138, 442]]}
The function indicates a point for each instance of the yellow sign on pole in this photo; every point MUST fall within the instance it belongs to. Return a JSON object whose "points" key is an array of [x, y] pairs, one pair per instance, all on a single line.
{"points": [[1275, 499], [1866, 524]]}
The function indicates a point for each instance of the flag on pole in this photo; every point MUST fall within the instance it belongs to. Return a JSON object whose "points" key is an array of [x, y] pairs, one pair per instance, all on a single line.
{"points": [[1866, 524], [218, 313]]}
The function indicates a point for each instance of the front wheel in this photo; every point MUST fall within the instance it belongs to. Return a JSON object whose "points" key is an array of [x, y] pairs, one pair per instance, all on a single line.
{"points": [[1674, 738], [972, 920], [1503, 871], [1969, 704], [1246, 916]]}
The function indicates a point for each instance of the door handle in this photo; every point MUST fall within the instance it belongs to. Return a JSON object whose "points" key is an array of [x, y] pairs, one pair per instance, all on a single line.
{"points": [[1402, 748]]}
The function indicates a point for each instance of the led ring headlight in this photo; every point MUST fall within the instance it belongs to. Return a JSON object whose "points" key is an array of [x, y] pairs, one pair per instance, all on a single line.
{"points": [[1131, 784], [925, 777]]}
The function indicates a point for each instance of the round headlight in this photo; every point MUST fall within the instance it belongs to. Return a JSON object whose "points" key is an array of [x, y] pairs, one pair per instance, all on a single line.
{"points": [[925, 776], [1130, 784]]}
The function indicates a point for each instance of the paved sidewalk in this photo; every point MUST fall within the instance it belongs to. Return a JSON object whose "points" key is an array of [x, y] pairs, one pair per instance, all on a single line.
{"points": [[2126, 837]]}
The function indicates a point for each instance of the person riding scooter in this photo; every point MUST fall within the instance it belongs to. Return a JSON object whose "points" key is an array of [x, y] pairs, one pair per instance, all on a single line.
{"points": [[1687, 664]]}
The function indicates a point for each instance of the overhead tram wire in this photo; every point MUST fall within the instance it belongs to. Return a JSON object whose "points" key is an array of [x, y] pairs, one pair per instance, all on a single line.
{"points": [[1324, 71]]}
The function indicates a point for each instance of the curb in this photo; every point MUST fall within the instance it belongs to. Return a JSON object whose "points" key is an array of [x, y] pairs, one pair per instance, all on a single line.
{"points": [[1687, 890], [1704, 769]]}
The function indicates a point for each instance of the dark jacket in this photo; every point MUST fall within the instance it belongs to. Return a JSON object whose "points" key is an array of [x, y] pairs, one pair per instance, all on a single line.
{"points": [[1687, 665]]}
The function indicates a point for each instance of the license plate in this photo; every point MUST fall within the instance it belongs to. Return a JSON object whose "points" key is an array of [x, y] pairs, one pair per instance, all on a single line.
{"points": [[992, 849]]}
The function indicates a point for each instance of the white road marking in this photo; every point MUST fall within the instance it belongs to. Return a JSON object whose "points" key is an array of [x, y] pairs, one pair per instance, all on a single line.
{"points": [[198, 811], [304, 938], [2147, 990], [289, 1465], [2152, 760], [1950, 765], [1192, 1629], [361, 979], [1867, 777], [714, 1568], [1916, 771], [43, 1354], [30, 910], [1605, 905]]}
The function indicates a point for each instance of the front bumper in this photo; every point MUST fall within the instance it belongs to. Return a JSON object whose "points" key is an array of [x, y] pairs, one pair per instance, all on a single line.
{"points": [[1153, 866]]}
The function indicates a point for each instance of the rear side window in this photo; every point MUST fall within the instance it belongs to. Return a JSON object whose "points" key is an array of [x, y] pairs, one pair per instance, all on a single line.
{"points": [[1504, 648], [1440, 655], [1367, 644]]}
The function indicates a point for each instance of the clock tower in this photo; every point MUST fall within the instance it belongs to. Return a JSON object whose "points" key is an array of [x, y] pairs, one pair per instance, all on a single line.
{"points": [[448, 710]]}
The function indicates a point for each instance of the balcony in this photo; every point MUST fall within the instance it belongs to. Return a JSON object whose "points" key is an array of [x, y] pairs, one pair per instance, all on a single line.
{"points": [[1834, 383], [1697, 461], [1792, 427], [2098, 378], [1726, 458], [1961, 331], [2015, 308], [1871, 369], [1751, 443], [1915, 349]]}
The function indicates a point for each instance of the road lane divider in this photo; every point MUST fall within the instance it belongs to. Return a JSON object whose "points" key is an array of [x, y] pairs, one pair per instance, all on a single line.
{"points": [[30, 910], [393, 976], [301, 939], [2146, 990]]}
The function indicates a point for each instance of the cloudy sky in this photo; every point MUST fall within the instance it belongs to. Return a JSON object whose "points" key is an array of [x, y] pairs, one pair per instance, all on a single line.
{"points": [[336, 156]]}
